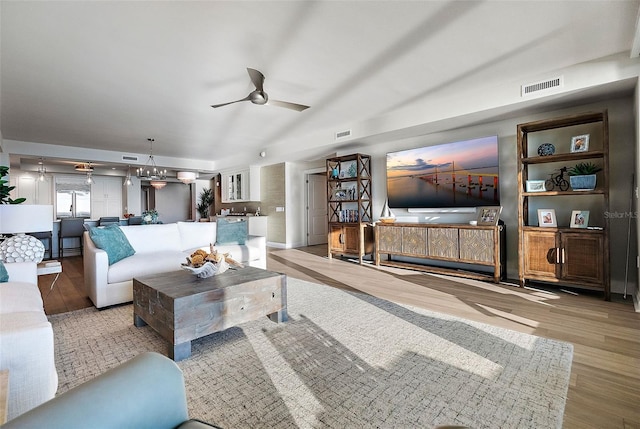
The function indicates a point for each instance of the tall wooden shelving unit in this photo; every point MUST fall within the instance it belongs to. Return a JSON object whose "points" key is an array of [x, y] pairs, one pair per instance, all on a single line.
{"points": [[571, 256], [349, 205]]}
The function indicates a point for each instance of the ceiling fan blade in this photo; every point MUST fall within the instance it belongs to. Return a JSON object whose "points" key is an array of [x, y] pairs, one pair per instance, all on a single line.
{"points": [[257, 78], [288, 105], [231, 102]]}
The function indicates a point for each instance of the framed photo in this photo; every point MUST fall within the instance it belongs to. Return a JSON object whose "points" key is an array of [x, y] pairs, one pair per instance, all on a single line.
{"points": [[579, 219], [536, 186], [488, 215], [547, 217], [580, 143]]}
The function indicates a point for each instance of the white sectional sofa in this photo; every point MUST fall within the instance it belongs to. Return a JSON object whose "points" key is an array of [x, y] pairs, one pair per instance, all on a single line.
{"points": [[26, 340], [158, 248]]}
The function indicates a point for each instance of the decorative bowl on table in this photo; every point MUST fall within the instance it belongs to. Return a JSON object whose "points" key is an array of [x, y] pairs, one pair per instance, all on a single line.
{"points": [[205, 264], [207, 269]]}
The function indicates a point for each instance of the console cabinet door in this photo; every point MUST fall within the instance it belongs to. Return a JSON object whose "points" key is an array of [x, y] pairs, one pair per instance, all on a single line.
{"points": [[477, 245], [443, 243], [344, 238], [541, 259], [389, 239], [335, 238], [351, 239], [582, 257]]}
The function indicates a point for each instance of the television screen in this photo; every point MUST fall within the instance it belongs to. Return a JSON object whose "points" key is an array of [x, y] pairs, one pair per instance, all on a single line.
{"points": [[458, 174]]}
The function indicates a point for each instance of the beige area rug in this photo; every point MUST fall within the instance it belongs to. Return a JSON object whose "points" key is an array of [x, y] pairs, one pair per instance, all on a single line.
{"points": [[344, 360]]}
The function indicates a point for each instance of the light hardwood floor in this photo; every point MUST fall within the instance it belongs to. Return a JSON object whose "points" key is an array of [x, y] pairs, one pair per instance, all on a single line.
{"points": [[604, 389]]}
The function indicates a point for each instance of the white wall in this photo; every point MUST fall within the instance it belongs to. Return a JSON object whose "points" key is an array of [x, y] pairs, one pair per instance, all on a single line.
{"points": [[296, 202], [132, 197], [172, 202]]}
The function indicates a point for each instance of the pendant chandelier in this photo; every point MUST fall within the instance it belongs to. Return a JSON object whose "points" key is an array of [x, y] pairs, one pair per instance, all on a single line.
{"points": [[151, 172], [41, 170], [158, 184], [127, 179]]}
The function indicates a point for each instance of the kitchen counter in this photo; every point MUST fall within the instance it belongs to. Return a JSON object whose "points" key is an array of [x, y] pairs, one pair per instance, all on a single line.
{"points": [[257, 225]]}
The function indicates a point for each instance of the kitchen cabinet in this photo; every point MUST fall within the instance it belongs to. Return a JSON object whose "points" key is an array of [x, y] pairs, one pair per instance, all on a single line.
{"points": [[241, 185], [35, 191], [106, 197]]}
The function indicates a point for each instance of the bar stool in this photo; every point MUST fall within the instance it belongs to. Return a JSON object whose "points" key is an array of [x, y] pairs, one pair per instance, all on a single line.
{"points": [[70, 228], [134, 220], [107, 220], [45, 235]]}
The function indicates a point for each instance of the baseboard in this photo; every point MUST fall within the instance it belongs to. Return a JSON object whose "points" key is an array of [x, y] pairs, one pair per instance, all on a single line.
{"points": [[277, 245], [284, 245]]}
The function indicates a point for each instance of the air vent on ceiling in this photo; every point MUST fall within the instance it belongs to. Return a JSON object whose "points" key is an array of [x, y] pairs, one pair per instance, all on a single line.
{"points": [[129, 158], [531, 88], [343, 134]]}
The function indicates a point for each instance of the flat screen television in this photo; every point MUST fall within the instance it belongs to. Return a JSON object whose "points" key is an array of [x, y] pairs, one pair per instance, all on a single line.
{"points": [[460, 174]]}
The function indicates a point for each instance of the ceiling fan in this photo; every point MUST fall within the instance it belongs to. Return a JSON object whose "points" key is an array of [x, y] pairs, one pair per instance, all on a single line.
{"points": [[260, 97]]}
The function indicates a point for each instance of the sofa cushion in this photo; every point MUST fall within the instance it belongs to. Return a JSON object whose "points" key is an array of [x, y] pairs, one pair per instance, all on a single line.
{"points": [[196, 234], [145, 264], [4, 275], [112, 240], [20, 296], [231, 231], [153, 238]]}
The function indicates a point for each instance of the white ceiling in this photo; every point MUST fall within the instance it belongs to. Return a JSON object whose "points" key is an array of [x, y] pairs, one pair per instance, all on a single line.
{"points": [[108, 75]]}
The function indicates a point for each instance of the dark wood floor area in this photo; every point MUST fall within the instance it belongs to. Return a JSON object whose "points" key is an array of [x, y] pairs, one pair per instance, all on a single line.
{"points": [[604, 389]]}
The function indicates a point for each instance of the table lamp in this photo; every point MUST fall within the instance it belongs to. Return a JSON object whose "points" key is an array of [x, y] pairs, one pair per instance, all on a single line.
{"points": [[19, 219]]}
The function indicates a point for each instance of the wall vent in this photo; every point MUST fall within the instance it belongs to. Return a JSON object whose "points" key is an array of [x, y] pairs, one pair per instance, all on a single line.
{"points": [[531, 88], [343, 134], [129, 158]]}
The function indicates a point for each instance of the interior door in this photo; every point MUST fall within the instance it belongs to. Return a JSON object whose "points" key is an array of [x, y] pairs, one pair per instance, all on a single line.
{"points": [[316, 209]]}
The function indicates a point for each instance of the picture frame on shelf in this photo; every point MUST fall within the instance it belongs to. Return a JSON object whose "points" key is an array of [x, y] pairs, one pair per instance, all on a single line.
{"points": [[579, 219], [580, 143], [535, 186], [489, 215], [547, 218]]}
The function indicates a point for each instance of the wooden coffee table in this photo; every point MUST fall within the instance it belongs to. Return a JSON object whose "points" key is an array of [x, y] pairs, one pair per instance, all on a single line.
{"points": [[182, 307]]}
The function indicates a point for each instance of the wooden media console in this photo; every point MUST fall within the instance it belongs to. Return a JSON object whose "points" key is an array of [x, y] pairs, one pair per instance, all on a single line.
{"points": [[463, 244]]}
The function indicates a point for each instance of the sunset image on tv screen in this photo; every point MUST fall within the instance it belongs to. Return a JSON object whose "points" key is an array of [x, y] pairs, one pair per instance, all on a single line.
{"points": [[459, 174]]}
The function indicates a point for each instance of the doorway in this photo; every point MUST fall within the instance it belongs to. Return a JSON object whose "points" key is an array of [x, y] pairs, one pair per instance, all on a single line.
{"points": [[317, 227]]}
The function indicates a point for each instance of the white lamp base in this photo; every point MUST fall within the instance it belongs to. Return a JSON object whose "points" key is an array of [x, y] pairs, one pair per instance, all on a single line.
{"points": [[22, 248]]}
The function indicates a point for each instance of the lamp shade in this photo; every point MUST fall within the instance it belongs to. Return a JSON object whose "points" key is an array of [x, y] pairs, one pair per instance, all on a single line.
{"points": [[16, 218], [186, 177]]}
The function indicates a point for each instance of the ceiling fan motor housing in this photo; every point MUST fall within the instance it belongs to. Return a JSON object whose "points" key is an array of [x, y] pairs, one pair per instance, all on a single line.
{"points": [[259, 97]]}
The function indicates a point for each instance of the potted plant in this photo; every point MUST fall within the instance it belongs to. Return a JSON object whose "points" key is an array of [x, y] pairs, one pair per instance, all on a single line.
{"points": [[582, 176], [5, 189], [206, 200]]}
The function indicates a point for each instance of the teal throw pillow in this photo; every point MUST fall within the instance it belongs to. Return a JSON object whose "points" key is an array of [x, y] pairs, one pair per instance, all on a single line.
{"points": [[4, 275], [112, 240], [231, 231]]}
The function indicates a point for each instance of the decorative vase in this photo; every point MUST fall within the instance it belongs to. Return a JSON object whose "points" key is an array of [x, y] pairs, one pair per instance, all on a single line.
{"points": [[387, 216], [583, 183], [22, 248]]}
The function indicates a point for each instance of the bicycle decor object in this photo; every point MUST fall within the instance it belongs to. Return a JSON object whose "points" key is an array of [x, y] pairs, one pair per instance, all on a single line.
{"points": [[557, 181]]}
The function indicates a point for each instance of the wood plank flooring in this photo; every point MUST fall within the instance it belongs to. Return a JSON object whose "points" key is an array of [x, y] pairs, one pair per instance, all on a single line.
{"points": [[604, 389]]}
